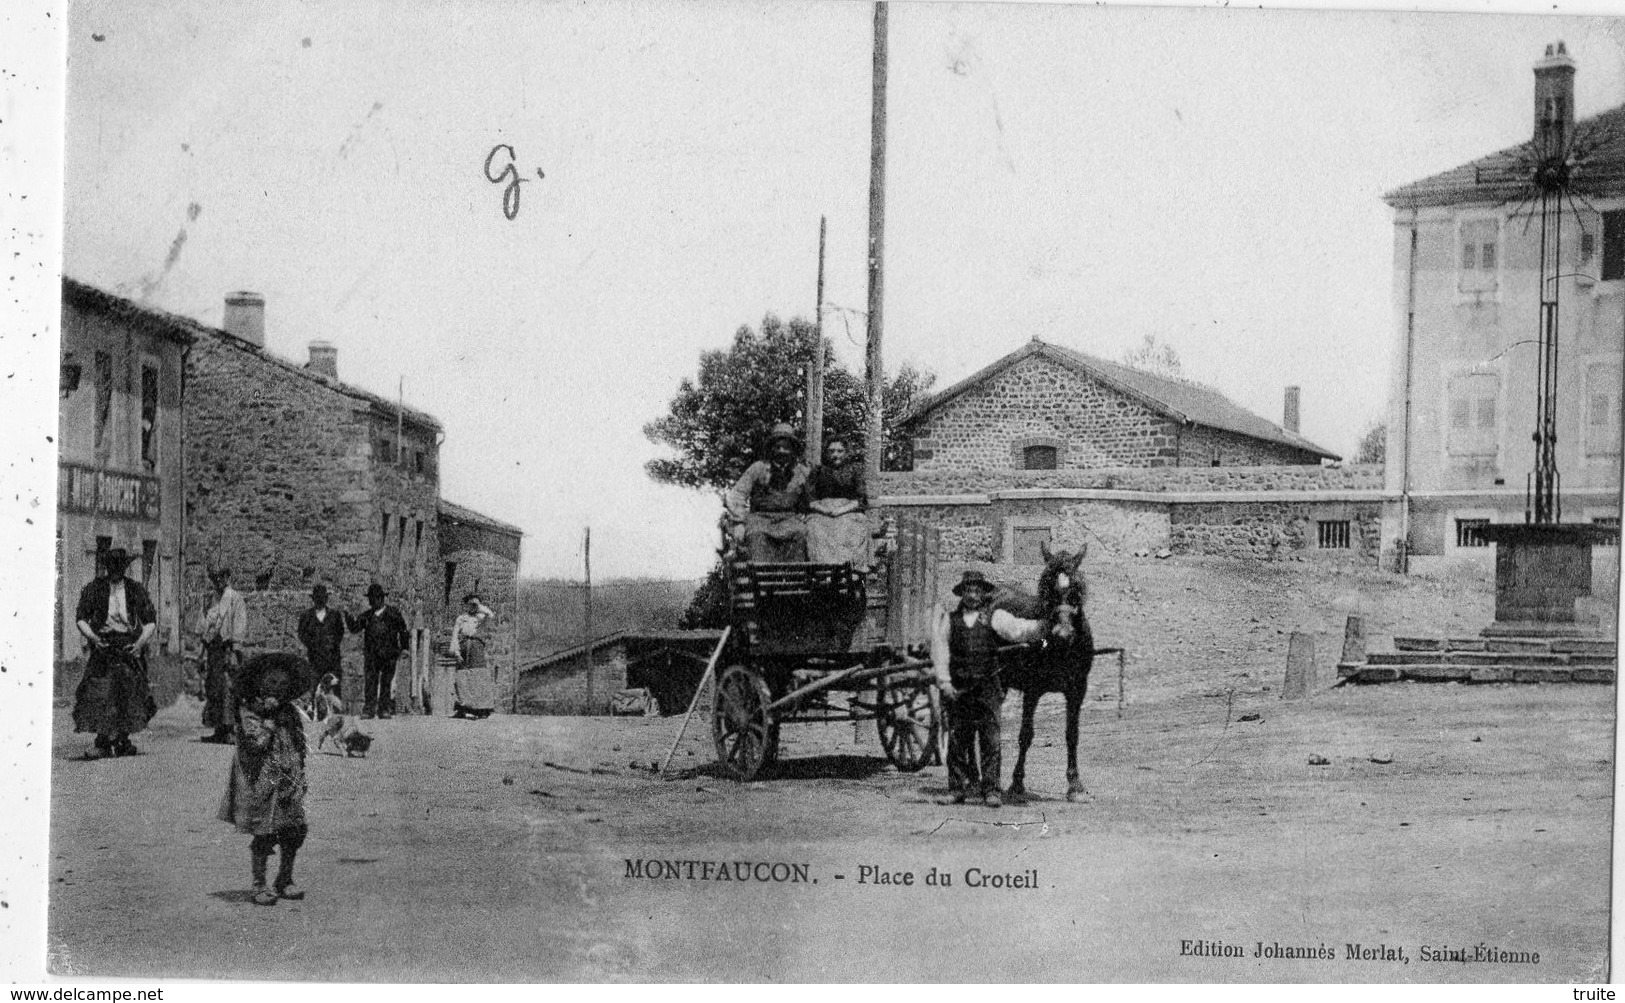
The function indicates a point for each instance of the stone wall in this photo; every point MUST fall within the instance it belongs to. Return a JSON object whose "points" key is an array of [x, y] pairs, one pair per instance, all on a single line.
{"points": [[1038, 402], [1365, 477], [561, 688], [1272, 530], [286, 485]]}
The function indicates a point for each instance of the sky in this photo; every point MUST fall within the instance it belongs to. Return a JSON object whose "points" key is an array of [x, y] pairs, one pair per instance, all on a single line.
{"points": [[1088, 175]]}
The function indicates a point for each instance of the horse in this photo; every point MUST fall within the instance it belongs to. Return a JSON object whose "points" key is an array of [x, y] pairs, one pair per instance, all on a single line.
{"points": [[1060, 665]]}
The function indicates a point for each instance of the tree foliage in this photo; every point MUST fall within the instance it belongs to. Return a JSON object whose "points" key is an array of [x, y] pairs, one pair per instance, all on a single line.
{"points": [[1373, 446], [718, 420], [1154, 356]]}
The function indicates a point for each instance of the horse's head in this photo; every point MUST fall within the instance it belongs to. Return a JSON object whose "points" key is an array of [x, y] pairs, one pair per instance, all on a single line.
{"points": [[1061, 591]]}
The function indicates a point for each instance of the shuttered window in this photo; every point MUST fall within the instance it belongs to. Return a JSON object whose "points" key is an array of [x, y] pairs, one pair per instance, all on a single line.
{"points": [[1472, 408]]}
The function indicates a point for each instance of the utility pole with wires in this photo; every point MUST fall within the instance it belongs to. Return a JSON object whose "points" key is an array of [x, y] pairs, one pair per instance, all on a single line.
{"points": [[873, 441], [400, 421], [586, 557], [814, 431]]}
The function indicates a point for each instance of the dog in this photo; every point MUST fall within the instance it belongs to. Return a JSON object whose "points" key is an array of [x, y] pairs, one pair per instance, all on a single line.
{"points": [[335, 724]]}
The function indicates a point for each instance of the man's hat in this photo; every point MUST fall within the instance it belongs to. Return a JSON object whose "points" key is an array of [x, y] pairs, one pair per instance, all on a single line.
{"points": [[973, 578], [219, 573], [319, 590], [783, 430], [375, 590], [116, 559]]}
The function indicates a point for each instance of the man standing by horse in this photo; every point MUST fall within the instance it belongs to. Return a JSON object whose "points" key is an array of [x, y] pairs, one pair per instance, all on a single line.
{"points": [[964, 655]]}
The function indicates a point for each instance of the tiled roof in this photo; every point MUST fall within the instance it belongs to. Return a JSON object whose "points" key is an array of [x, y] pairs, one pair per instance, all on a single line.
{"points": [[473, 518], [190, 330], [163, 324], [1504, 176], [621, 636], [1178, 399]]}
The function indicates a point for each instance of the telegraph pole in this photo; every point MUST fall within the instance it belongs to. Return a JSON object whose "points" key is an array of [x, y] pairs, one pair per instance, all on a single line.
{"points": [[873, 443], [814, 431], [586, 556]]}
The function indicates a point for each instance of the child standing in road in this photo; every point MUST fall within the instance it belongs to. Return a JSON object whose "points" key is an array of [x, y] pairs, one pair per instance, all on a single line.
{"points": [[265, 795]]}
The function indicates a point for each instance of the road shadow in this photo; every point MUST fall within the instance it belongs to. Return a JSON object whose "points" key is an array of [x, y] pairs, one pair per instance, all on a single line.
{"points": [[829, 767], [238, 895]]}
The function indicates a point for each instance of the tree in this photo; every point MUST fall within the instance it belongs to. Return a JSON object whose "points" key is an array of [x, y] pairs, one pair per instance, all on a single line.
{"points": [[1373, 446], [1155, 357], [718, 421]]}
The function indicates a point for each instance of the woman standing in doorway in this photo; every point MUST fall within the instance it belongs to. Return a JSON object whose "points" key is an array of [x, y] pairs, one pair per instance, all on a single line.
{"points": [[473, 683]]}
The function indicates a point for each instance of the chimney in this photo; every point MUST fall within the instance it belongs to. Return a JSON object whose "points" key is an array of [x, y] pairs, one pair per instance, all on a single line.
{"points": [[1289, 418], [324, 359], [245, 317], [1554, 102]]}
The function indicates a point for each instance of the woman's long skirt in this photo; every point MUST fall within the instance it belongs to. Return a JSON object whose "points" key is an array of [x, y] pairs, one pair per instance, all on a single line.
{"points": [[839, 539], [113, 696], [473, 685]]}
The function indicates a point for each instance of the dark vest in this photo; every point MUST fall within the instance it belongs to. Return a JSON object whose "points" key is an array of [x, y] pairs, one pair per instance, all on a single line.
{"points": [[972, 651]]}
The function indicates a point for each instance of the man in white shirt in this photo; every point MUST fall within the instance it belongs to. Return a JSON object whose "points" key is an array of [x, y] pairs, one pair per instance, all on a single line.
{"points": [[225, 630], [964, 655]]}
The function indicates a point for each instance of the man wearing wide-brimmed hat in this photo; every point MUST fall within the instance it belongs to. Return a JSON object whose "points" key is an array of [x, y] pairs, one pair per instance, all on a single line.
{"points": [[964, 655], [767, 503], [116, 618], [383, 638], [225, 632], [321, 631]]}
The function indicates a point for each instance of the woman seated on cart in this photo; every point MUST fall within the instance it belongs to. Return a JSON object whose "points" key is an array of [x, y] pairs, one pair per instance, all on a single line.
{"points": [[766, 504], [838, 517]]}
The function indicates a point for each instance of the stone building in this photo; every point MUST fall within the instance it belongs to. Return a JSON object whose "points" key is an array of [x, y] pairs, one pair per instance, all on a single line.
{"points": [[1462, 403], [1052, 446], [667, 663], [120, 466], [1045, 407], [480, 554], [296, 478]]}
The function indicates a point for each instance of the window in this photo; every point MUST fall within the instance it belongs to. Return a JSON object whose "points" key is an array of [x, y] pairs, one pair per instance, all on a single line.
{"points": [[1469, 533], [1606, 520], [1613, 245], [417, 543], [1471, 414], [451, 576], [386, 450], [417, 461], [149, 561], [383, 541], [104, 396], [1588, 248], [1602, 409], [1038, 458], [149, 416], [400, 545], [1332, 534], [1479, 245], [1025, 541]]}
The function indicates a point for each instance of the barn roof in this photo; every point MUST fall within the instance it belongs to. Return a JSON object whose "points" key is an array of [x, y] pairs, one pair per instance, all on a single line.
{"points": [[470, 517], [1178, 399], [1504, 176]]}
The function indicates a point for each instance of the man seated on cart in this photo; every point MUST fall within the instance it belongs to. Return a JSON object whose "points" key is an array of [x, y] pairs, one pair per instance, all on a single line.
{"points": [[964, 656], [767, 503]]}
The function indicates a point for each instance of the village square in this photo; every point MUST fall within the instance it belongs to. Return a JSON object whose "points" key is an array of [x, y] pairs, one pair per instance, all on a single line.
{"points": [[1043, 640]]}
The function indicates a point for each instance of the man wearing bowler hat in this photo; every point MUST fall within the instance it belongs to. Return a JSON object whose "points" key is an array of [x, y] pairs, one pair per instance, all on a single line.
{"points": [[321, 631], [964, 655], [383, 638], [116, 617]]}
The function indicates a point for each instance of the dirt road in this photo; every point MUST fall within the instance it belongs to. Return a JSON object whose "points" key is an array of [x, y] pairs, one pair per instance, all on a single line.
{"points": [[1447, 816]]}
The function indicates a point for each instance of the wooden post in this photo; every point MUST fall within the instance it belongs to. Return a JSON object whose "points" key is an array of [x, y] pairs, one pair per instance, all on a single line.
{"points": [[874, 443], [586, 556], [705, 679]]}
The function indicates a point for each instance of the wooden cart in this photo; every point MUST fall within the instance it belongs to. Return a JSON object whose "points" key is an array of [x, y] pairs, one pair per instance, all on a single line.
{"points": [[798, 651]]}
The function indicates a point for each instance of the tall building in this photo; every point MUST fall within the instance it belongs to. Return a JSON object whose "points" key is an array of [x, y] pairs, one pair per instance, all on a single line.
{"points": [[1467, 305], [120, 466]]}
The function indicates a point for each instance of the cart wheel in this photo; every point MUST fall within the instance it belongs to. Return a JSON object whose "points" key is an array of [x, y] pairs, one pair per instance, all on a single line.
{"points": [[906, 715], [745, 733]]}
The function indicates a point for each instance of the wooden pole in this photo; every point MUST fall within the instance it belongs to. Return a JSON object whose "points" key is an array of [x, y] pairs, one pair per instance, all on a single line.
{"points": [[873, 441], [586, 556], [710, 670], [815, 366]]}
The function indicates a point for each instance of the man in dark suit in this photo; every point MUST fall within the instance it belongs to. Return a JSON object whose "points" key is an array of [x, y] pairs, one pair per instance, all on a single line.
{"points": [[321, 631], [116, 617], [383, 638]]}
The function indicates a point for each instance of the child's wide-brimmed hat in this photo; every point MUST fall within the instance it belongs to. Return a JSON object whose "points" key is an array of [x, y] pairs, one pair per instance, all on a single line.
{"points": [[274, 674]]}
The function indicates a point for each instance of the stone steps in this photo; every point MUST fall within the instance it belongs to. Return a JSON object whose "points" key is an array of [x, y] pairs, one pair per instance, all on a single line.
{"points": [[1365, 672], [1546, 659]]}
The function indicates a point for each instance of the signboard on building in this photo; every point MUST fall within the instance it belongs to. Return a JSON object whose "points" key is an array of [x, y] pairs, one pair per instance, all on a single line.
{"points": [[104, 492]]}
